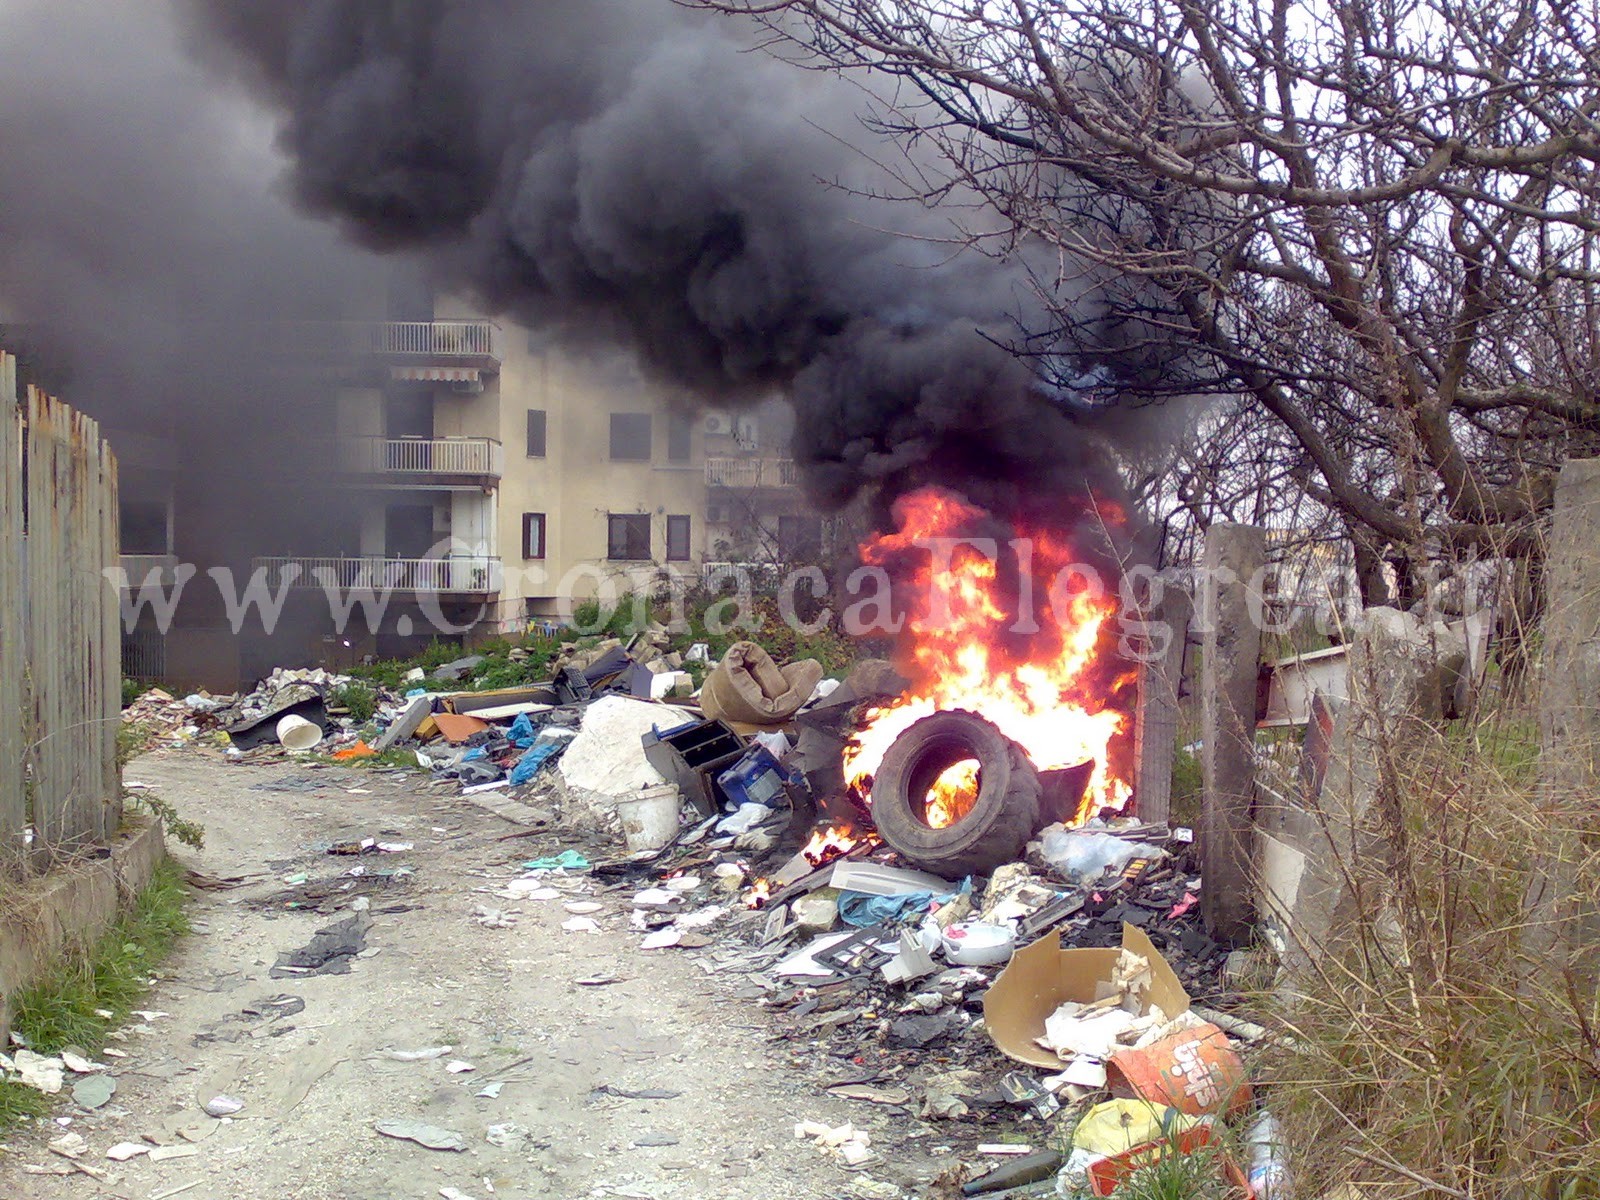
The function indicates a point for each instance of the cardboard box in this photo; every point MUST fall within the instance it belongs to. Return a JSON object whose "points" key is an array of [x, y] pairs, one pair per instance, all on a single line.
{"points": [[1042, 977]]}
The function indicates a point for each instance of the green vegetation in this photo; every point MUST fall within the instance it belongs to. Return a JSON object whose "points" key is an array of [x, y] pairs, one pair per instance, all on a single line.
{"points": [[132, 689], [1177, 1176], [356, 698], [1438, 1037], [67, 1007], [1187, 786], [190, 833]]}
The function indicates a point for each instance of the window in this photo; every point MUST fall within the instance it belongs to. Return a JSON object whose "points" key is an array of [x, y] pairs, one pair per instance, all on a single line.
{"points": [[536, 433], [144, 526], [680, 432], [630, 437], [678, 539], [628, 536], [799, 538], [533, 534]]}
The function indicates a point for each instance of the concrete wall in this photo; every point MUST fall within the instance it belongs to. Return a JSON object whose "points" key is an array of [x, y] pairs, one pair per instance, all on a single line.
{"points": [[70, 908]]}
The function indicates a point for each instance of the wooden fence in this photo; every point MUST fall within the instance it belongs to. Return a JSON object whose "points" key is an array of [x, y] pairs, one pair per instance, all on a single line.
{"points": [[60, 679]]}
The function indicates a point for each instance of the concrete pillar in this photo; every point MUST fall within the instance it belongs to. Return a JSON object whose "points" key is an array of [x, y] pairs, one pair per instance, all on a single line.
{"points": [[1155, 729], [1562, 922], [1234, 557]]}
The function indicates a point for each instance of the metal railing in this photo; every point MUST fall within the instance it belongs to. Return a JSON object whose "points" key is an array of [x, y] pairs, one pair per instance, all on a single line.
{"points": [[752, 472], [465, 341], [382, 574], [427, 456]]}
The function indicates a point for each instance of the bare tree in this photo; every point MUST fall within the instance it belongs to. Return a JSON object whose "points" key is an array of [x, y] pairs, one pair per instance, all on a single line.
{"points": [[1374, 220]]}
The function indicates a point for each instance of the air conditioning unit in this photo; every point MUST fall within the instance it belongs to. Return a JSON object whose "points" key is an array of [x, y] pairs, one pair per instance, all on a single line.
{"points": [[467, 387], [718, 423]]}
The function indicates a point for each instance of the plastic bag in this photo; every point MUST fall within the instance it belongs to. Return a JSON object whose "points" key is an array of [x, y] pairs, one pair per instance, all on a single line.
{"points": [[1085, 853]]}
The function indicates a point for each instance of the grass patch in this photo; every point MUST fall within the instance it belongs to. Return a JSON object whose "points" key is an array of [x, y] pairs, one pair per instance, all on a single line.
{"points": [[64, 1008], [1435, 1044], [19, 1104]]}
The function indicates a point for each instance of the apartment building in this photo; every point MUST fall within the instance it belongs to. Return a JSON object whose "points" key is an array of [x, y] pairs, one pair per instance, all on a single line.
{"points": [[474, 477]]}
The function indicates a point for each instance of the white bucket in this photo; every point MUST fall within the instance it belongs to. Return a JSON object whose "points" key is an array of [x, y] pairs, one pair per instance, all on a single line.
{"points": [[650, 819], [297, 733]]}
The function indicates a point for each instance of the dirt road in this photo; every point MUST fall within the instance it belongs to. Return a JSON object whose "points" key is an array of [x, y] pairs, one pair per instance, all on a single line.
{"points": [[314, 1082]]}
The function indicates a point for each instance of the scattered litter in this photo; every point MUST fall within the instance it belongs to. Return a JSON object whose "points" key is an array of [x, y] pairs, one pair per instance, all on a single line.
{"points": [[94, 1091], [597, 980], [328, 953], [873, 1095], [123, 1151], [509, 1136], [223, 1106], [848, 1143], [432, 1137], [69, 1145], [606, 1089], [492, 918], [654, 1139], [528, 889], [78, 1064], [581, 925], [583, 908], [457, 1067], [491, 1091], [417, 1055], [39, 1072], [567, 860], [661, 939], [164, 1153]]}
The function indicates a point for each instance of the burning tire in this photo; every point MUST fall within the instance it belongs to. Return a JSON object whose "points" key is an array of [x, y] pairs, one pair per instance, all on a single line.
{"points": [[1003, 814]]}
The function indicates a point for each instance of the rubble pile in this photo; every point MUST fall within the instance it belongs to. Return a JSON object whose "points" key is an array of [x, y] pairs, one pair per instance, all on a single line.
{"points": [[1054, 986]]}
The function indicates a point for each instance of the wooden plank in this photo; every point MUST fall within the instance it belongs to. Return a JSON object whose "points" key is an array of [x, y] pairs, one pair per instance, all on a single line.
{"points": [[73, 645], [13, 723]]}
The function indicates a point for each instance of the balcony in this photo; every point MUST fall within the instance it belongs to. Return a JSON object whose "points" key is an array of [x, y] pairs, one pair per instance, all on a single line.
{"points": [[463, 576], [749, 473], [472, 461], [441, 351]]}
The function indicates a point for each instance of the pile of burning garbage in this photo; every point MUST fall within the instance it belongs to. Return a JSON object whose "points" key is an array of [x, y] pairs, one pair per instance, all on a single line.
{"points": [[935, 859]]}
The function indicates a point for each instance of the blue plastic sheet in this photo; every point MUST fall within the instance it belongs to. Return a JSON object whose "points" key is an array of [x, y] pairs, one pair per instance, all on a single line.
{"points": [[521, 733], [861, 910]]}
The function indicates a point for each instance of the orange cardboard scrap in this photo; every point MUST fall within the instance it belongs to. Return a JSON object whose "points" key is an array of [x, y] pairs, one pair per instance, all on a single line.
{"points": [[456, 728]]}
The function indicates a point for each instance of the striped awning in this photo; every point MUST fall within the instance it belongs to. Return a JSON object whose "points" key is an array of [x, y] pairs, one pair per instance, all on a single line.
{"points": [[434, 374]]}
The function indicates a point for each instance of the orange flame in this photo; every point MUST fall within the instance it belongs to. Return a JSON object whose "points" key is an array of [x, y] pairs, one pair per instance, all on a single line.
{"points": [[834, 842], [953, 794], [1044, 670], [758, 894]]}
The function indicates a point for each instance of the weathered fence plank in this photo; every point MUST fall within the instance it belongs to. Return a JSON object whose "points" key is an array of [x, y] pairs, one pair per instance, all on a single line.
{"points": [[13, 779], [60, 683]]}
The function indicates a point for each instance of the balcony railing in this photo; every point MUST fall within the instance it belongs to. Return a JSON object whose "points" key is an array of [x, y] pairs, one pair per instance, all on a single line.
{"points": [[474, 575], [467, 343], [479, 457], [752, 472]]}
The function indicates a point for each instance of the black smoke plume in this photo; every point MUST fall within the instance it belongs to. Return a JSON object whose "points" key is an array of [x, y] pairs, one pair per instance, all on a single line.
{"points": [[630, 170]]}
